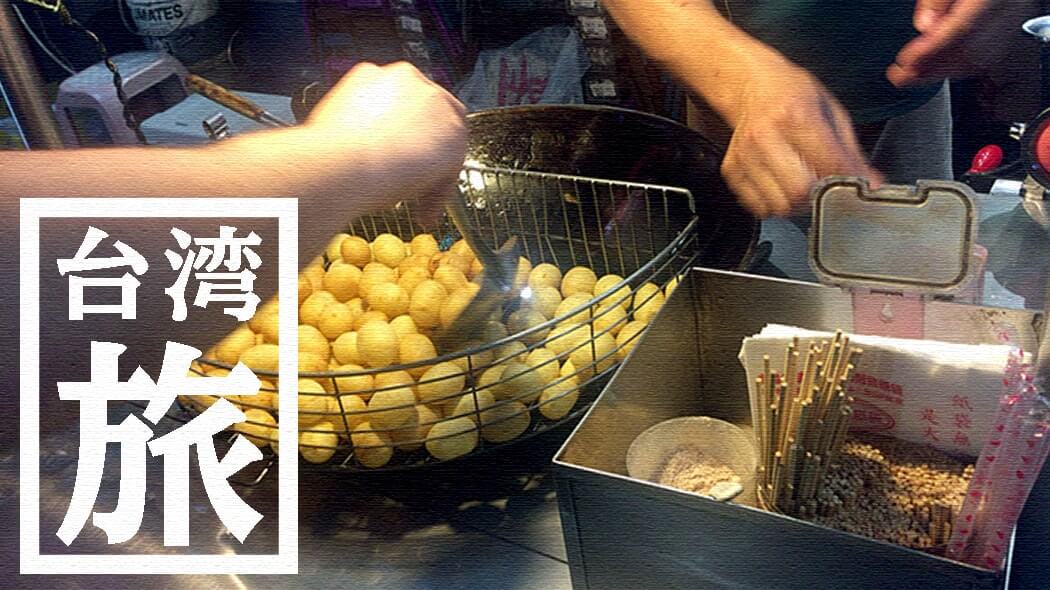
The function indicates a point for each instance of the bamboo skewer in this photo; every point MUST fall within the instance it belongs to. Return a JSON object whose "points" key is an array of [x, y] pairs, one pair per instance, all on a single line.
{"points": [[758, 423], [791, 366], [801, 419], [768, 450], [830, 412], [773, 423], [778, 475], [805, 409]]}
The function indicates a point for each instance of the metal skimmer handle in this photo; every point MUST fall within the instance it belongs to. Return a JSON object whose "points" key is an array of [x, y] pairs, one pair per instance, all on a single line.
{"points": [[1042, 358], [495, 266]]}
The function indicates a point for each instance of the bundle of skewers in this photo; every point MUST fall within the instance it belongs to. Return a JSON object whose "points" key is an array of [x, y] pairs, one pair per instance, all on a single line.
{"points": [[802, 417]]}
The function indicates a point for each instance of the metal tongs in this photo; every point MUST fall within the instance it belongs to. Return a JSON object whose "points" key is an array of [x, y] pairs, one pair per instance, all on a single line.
{"points": [[500, 267]]}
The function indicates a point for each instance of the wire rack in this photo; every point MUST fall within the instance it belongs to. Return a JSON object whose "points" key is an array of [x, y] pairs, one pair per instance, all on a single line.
{"points": [[644, 233]]}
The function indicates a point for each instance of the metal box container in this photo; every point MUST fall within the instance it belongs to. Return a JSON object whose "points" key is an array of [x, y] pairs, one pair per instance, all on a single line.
{"points": [[627, 533]]}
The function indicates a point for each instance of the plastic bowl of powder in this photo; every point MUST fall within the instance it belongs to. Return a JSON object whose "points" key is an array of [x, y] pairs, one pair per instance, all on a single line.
{"points": [[697, 454]]}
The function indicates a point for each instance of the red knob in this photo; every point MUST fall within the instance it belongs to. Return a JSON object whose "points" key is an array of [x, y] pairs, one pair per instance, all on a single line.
{"points": [[987, 159], [1042, 147]]}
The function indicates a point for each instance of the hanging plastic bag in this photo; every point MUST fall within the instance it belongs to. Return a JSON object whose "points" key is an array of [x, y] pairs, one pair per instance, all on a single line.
{"points": [[544, 67]]}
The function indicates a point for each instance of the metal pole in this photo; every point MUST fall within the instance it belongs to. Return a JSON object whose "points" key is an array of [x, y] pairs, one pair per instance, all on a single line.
{"points": [[22, 85]]}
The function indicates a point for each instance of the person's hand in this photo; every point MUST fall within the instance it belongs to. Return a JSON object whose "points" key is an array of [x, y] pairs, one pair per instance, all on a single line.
{"points": [[957, 38], [393, 120], [788, 131]]}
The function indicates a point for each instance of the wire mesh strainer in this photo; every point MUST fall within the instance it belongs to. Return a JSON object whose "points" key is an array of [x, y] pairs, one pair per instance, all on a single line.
{"points": [[506, 389]]}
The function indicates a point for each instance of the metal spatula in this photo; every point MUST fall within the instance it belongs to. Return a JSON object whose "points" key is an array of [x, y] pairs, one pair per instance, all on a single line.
{"points": [[496, 281]]}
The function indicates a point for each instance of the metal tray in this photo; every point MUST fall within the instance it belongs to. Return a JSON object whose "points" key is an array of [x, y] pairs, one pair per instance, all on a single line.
{"points": [[626, 533]]}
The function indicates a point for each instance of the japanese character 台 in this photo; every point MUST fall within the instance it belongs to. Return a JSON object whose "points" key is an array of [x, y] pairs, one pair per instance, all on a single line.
{"points": [[133, 435], [127, 283]]}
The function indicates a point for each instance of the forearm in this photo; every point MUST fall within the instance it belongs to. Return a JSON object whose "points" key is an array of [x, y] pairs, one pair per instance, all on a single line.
{"points": [[713, 57], [136, 172], [268, 164]]}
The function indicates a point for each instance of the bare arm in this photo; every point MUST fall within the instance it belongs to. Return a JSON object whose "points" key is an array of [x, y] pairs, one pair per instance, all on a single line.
{"points": [[788, 129], [381, 136], [673, 32]]}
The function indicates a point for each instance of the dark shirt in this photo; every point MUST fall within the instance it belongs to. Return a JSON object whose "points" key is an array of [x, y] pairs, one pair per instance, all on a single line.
{"points": [[847, 44]]}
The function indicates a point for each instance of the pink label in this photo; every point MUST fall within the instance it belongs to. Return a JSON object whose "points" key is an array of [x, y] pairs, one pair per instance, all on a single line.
{"points": [[883, 314], [517, 84]]}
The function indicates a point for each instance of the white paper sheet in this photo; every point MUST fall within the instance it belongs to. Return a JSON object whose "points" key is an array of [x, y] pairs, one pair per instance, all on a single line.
{"points": [[940, 394]]}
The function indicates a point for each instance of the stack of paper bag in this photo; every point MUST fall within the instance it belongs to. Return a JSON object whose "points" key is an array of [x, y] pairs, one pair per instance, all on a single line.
{"points": [[935, 393]]}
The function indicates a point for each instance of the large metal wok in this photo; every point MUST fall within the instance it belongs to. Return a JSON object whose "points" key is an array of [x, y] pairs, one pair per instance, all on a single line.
{"points": [[620, 144], [617, 191]]}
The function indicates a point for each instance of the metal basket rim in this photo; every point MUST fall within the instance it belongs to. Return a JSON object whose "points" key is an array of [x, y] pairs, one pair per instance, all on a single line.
{"points": [[667, 251], [587, 377]]}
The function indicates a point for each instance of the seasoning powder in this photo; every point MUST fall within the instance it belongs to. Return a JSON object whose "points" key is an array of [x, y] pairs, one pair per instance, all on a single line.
{"points": [[690, 470]]}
